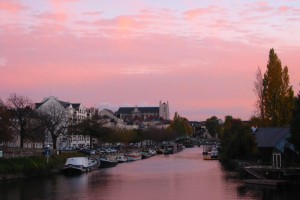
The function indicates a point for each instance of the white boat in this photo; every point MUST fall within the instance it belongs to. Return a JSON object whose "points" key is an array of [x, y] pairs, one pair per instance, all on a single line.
{"points": [[133, 156], [152, 152], [121, 158], [210, 152], [77, 165]]}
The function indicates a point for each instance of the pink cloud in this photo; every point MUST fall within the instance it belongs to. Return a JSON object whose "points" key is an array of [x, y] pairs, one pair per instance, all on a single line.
{"points": [[11, 7], [92, 13], [193, 14], [140, 58], [60, 17], [64, 1]]}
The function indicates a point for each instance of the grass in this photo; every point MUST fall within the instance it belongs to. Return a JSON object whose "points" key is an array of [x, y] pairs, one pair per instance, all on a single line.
{"points": [[34, 166]]}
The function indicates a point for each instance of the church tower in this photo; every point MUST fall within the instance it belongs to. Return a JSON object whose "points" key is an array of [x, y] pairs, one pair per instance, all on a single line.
{"points": [[164, 110]]}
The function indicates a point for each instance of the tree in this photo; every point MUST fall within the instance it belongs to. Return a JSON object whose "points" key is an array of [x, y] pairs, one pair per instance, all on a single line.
{"points": [[277, 93], [5, 116], [93, 128], [22, 112], [213, 126], [237, 141], [258, 90], [55, 121], [181, 125], [295, 124]]}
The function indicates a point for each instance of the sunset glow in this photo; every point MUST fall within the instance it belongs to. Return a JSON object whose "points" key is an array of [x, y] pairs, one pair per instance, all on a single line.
{"points": [[200, 56]]}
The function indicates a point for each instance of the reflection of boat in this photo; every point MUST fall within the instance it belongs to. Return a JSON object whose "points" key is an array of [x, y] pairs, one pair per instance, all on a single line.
{"points": [[107, 162], [121, 158], [77, 165], [210, 152], [134, 156]]}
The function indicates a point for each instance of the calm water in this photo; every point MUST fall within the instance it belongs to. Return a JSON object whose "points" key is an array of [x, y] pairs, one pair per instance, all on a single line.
{"points": [[182, 176]]}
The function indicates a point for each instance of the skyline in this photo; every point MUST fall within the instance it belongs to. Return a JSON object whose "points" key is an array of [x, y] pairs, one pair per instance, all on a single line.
{"points": [[200, 56]]}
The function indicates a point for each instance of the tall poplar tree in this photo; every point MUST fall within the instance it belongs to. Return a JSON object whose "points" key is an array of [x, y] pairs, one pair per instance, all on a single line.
{"points": [[277, 93], [295, 124]]}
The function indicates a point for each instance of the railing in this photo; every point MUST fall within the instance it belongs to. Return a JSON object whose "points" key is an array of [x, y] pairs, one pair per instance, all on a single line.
{"points": [[21, 152]]}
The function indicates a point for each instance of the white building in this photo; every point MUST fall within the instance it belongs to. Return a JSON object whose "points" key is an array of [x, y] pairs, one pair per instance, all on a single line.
{"points": [[73, 113]]}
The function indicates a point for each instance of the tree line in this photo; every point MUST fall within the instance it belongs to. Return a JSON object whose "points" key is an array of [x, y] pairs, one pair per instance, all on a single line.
{"points": [[18, 117]]}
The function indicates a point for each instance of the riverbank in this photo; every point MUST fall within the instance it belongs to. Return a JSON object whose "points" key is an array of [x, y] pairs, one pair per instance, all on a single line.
{"points": [[13, 168]]}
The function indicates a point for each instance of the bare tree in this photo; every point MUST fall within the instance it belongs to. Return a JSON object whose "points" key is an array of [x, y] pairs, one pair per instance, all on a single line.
{"points": [[5, 116], [54, 118], [22, 111]]}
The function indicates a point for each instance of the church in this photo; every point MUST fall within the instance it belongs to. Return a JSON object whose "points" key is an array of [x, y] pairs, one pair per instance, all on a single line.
{"points": [[144, 113]]}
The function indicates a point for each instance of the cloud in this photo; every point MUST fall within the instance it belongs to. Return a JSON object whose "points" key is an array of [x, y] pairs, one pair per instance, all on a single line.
{"points": [[59, 17], [64, 1], [92, 13], [203, 67], [193, 14], [12, 7], [3, 61]]}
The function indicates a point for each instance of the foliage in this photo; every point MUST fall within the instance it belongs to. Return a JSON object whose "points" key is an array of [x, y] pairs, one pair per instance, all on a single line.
{"points": [[181, 125], [125, 136], [93, 128], [213, 126], [295, 124], [275, 103], [237, 141]]}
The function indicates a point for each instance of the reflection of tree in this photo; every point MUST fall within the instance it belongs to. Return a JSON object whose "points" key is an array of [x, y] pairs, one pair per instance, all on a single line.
{"points": [[55, 121]]}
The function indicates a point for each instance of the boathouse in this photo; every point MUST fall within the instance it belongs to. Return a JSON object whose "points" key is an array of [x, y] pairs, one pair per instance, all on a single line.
{"points": [[274, 146]]}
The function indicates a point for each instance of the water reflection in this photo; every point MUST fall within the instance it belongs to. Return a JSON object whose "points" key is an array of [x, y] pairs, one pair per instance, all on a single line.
{"points": [[180, 176]]}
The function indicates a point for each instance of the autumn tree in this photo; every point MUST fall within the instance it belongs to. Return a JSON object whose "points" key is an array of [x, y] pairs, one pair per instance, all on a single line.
{"points": [[275, 103], [22, 111], [213, 126], [295, 124], [94, 129], [181, 125], [238, 142]]}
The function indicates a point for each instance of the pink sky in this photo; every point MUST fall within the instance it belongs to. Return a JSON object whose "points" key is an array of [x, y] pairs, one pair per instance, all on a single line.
{"points": [[200, 56]]}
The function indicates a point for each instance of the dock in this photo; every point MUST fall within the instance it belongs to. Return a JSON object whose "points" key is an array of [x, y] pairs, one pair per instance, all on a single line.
{"points": [[271, 176], [266, 182]]}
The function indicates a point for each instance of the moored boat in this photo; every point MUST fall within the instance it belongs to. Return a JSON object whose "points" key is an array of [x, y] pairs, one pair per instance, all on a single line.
{"points": [[152, 152], [145, 154], [134, 156], [106, 162], [78, 165], [210, 152], [121, 158]]}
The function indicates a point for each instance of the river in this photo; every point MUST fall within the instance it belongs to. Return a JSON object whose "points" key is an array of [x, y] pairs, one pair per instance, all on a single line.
{"points": [[181, 176]]}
